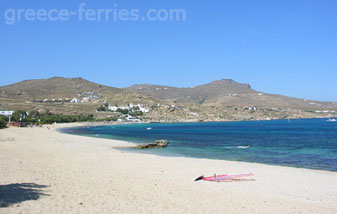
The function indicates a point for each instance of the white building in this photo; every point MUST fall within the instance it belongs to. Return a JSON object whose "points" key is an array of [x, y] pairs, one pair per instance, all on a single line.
{"points": [[144, 109], [252, 109], [124, 108], [6, 113], [132, 119], [86, 99], [233, 95], [75, 100], [115, 108], [195, 114]]}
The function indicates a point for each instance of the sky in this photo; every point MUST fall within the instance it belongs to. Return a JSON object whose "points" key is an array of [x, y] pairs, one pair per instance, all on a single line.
{"points": [[285, 47]]}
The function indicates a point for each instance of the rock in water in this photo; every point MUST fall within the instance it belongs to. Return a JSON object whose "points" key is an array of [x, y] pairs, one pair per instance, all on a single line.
{"points": [[161, 143], [155, 144]]}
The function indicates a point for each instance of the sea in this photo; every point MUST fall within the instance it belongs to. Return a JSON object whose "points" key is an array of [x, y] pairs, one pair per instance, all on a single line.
{"points": [[304, 143]]}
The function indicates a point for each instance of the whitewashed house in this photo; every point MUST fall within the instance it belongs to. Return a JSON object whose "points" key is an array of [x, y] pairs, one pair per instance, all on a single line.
{"points": [[86, 99], [144, 109], [75, 100], [112, 108], [132, 119], [6, 113], [115, 108]]}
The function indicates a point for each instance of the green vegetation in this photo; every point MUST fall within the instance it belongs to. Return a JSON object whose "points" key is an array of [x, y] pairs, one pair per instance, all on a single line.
{"points": [[3, 122], [135, 114], [123, 111], [48, 118], [107, 119], [103, 108], [59, 118], [19, 114]]}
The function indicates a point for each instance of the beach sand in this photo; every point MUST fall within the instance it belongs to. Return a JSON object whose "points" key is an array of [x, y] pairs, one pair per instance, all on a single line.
{"points": [[45, 171]]}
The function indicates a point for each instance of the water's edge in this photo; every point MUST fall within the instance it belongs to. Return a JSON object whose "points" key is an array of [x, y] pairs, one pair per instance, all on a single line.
{"points": [[172, 153]]}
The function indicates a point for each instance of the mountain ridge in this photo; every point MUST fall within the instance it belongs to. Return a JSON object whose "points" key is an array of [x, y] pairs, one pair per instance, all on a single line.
{"points": [[222, 92], [217, 92], [218, 100]]}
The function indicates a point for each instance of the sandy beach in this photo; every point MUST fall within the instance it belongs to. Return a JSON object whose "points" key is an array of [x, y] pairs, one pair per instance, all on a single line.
{"points": [[45, 171]]}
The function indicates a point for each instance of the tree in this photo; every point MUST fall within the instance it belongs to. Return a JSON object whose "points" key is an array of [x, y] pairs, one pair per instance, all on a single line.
{"points": [[3, 122], [19, 114], [101, 108], [34, 114], [123, 111]]}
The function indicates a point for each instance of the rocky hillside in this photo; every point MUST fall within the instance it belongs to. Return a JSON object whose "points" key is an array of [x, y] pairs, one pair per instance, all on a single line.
{"points": [[225, 92], [56, 94], [54, 88], [216, 101], [197, 95]]}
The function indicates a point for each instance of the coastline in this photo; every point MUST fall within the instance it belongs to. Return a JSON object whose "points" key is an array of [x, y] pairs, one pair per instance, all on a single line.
{"points": [[134, 140], [83, 174]]}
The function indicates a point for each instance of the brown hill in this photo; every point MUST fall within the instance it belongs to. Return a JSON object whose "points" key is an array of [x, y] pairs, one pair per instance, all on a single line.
{"points": [[216, 101], [30, 94], [197, 95], [54, 88], [226, 92]]}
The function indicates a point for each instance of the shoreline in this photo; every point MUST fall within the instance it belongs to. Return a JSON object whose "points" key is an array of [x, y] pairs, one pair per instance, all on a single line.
{"points": [[271, 119], [94, 123], [132, 144], [84, 174]]}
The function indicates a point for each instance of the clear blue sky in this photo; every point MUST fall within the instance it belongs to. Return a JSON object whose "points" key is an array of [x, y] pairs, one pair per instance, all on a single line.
{"points": [[286, 47]]}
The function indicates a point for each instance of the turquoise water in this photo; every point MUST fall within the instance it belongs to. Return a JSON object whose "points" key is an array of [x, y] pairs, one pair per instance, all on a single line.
{"points": [[309, 143]]}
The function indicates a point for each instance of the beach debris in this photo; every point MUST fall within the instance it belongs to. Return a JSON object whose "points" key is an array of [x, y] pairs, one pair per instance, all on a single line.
{"points": [[155, 144], [221, 178]]}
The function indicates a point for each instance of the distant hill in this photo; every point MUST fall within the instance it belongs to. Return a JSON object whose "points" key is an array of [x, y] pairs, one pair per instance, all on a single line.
{"points": [[30, 94], [225, 92], [197, 95], [215, 101], [54, 88]]}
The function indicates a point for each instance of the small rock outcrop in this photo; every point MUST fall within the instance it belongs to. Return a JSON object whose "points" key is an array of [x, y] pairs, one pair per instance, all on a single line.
{"points": [[155, 144]]}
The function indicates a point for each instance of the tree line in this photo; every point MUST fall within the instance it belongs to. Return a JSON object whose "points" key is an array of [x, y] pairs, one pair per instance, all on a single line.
{"points": [[47, 117]]}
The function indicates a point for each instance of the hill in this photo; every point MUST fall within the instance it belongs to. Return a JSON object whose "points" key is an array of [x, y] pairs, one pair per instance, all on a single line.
{"points": [[54, 88], [215, 101], [197, 95], [56, 94], [225, 92]]}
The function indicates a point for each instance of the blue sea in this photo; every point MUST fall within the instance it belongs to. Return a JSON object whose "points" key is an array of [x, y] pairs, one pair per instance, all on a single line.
{"points": [[307, 143]]}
